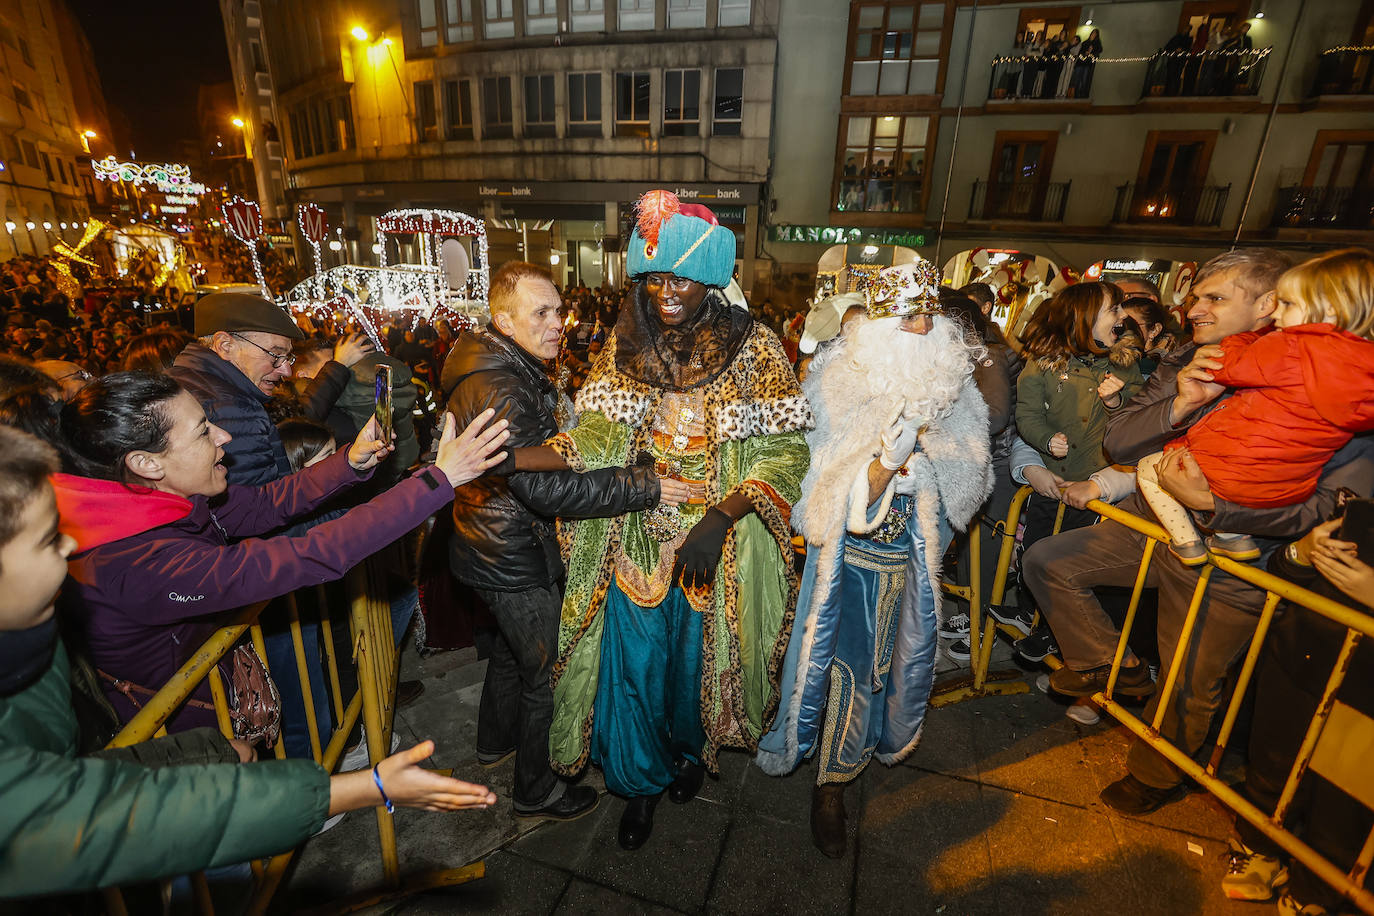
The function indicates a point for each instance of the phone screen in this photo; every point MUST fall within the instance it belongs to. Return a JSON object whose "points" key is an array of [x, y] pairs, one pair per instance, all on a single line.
{"points": [[382, 401]]}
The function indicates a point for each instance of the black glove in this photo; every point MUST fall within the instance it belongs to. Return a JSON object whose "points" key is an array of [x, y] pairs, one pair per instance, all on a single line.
{"points": [[699, 554]]}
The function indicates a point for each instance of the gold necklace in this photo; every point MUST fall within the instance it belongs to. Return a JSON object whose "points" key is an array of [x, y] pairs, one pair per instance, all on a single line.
{"points": [[664, 522]]}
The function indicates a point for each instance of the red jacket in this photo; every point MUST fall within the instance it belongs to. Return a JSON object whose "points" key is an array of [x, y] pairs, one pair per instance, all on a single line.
{"points": [[1304, 392]]}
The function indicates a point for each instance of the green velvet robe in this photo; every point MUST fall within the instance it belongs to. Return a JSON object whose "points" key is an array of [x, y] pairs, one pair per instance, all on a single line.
{"points": [[755, 420]]}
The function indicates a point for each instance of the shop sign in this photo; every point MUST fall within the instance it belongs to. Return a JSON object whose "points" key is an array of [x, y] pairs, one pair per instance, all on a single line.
{"points": [[846, 235]]}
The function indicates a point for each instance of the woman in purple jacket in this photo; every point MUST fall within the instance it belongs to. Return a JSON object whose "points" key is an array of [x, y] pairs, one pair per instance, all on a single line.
{"points": [[155, 572]]}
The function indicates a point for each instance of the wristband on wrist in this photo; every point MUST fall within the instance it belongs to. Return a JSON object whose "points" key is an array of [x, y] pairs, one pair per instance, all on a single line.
{"points": [[377, 778]]}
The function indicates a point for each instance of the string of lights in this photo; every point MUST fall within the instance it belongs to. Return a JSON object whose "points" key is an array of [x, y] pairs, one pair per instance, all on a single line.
{"points": [[1158, 55]]}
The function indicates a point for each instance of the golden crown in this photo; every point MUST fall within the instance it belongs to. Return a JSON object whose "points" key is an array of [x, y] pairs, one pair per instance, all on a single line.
{"points": [[908, 289]]}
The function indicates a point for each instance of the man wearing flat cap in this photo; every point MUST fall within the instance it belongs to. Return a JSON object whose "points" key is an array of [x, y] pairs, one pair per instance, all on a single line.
{"points": [[675, 618], [899, 454], [241, 356]]}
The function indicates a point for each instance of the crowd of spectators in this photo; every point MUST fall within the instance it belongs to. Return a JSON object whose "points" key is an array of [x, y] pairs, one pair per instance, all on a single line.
{"points": [[1101, 376]]}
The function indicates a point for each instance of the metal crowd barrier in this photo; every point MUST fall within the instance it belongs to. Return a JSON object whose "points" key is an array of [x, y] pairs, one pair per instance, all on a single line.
{"points": [[1348, 767], [376, 660]]}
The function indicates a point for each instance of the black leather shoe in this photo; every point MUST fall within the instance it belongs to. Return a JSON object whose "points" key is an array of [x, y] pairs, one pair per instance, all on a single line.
{"points": [[1131, 796], [637, 822], [687, 784], [827, 820], [572, 804]]}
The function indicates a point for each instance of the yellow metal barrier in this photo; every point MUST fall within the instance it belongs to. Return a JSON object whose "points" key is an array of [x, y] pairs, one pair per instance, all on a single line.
{"points": [[1319, 748], [376, 660]]}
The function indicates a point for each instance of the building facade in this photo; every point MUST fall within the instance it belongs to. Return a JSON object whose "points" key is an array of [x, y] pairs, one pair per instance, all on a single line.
{"points": [[41, 195], [951, 127], [546, 117], [252, 125]]}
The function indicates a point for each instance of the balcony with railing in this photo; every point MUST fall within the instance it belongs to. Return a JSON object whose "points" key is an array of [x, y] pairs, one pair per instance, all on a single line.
{"points": [[1030, 201], [1301, 207], [1059, 77], [1207, 74], [1188, 205], [1345, 71]]}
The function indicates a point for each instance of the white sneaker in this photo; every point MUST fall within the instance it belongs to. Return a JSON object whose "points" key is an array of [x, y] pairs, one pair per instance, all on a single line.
{"points": [[1251, 876], [1084, 713]]}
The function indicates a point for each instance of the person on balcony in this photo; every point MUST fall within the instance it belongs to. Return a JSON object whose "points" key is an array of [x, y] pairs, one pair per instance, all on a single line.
{"points": [[1083, 69]]}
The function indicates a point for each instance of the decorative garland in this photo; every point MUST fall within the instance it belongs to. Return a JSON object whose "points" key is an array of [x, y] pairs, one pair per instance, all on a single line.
{"points": [[1008, 58]]}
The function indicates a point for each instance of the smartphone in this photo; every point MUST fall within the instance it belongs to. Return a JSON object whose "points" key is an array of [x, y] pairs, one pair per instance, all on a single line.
{"points": [[1357, 526], [382, 402]]}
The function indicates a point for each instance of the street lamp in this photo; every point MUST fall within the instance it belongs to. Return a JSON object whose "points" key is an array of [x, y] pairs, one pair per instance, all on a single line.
{"points": [[47, 226], [359, 33], [238, 122]]}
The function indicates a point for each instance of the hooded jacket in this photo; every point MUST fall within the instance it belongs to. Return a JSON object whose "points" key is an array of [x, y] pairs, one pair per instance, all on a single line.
{"points": [[255, 455], [1304, 392], [1060, 395], [71, 824], [154, 574], [504, 537]]}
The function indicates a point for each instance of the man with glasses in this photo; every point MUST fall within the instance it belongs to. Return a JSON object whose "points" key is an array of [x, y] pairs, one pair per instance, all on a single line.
{"points": [[242, 355]]}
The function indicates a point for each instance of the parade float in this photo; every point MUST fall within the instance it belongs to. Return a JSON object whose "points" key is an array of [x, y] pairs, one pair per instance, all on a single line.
{"points": [[443, 275]]}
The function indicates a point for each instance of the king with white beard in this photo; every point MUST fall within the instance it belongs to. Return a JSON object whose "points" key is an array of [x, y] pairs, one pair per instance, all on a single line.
{"points": [[899, 458]]}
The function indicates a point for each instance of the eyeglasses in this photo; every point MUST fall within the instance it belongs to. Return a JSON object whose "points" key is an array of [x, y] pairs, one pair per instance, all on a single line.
{"points": [[81, 374], [277, 358]]}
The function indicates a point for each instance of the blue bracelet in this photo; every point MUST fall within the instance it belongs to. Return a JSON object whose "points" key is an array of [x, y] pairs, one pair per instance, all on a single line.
{"points": [[377, 778]]}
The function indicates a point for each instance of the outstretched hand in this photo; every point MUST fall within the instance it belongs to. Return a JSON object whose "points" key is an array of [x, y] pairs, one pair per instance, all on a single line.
{"points": [[412, 786], [467, 456]]}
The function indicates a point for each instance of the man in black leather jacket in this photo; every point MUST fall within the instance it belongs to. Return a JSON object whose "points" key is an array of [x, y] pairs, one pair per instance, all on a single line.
{"points": [[504, 544]]}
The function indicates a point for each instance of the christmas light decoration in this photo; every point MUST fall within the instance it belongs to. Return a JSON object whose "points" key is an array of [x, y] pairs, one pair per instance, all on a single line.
{"points": [[370, 293], [243, 220], [171, 174], [311, 219], [1018, 58], [431, 227]]}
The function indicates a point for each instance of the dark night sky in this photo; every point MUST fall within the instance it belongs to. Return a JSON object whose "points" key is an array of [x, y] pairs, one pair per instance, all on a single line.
{"points": [[152, 56]]}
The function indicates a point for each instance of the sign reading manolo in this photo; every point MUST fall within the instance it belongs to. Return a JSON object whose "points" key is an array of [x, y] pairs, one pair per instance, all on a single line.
{"points": [[845, 235]]}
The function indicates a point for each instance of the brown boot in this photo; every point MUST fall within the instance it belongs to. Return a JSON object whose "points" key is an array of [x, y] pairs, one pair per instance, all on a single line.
{"points": [[827, 820]]}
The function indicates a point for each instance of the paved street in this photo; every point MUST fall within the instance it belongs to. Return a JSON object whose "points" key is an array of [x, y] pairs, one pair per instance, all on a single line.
{"points": [[996, 812]]}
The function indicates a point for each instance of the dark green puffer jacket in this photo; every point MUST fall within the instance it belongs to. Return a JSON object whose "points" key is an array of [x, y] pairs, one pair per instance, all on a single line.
{"points": [[70, 823]]}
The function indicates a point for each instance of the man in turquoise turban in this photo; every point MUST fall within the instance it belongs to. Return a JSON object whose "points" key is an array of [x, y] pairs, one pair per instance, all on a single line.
{"points": [[676, 619]]}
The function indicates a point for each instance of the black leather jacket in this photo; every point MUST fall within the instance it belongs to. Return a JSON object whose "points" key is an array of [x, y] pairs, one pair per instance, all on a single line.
{"points": [[504, 537]]}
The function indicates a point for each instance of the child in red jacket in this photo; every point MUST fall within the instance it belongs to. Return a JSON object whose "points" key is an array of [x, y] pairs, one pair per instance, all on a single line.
{"points": [[1305, 390]]}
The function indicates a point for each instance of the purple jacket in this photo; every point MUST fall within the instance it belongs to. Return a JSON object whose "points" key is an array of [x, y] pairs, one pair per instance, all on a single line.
{"points": [[149, 591]]}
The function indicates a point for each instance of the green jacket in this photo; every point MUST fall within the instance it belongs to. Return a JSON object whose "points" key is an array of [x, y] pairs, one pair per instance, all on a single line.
{"points": [[69, 823], [1061, 396]]}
